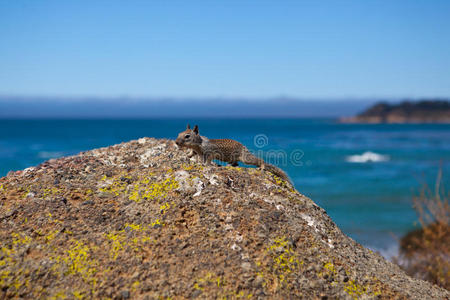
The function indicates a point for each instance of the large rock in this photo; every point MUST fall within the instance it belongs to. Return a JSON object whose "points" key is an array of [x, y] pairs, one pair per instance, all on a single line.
{"points": [[140, 220]]}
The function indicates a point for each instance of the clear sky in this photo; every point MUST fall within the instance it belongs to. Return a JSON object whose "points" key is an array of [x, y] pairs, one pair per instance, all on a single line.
{"points": [[306, 49]]}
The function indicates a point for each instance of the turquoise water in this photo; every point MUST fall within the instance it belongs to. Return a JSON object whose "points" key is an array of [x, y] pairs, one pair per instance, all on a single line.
{"points": [[370, 201]]}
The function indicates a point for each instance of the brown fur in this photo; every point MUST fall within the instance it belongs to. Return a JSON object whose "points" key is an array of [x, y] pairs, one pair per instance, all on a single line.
{"points": [[225, 150]]}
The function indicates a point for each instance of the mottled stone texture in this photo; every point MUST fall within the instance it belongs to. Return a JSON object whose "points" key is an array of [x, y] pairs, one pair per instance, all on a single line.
{"points": [[140, 220]]}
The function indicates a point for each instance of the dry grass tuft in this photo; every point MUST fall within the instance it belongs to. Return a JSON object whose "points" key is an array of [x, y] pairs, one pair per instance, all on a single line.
{"points": [[425, 252]]}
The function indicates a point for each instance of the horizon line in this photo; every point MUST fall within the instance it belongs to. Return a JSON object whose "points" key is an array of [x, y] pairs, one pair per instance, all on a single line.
{"points": [[218, 98]]}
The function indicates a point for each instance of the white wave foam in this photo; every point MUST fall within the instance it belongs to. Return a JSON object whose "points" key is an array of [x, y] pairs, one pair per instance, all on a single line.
{"points": [[388, 252], [367, 156], [50, 154]]}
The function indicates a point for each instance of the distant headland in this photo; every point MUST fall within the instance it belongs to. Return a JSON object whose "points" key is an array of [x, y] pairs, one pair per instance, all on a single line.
{"points": [[424, 111]]}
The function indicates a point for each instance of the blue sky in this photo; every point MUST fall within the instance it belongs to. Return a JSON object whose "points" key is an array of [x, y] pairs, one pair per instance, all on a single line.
{"points": [[305, 49]]}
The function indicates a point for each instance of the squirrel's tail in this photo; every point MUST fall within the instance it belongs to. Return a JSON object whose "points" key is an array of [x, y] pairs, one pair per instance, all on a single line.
{"points": [[277, 171], [248, 158]]}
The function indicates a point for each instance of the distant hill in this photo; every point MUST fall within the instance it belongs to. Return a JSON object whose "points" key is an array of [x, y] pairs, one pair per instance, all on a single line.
{"points": [[425, 111]]}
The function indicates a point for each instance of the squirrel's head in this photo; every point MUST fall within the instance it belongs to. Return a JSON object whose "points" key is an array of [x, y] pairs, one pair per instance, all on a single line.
{"points": [[189, 137]]}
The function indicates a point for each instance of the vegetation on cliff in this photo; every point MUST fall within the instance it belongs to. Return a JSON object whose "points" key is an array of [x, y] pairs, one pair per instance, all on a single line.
{"points": [[425, 252], [141, 220], [425, 111]]}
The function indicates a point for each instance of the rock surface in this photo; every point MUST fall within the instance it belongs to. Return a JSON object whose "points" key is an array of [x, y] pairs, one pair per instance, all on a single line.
{"points": [[140, 220], [405, 112]]}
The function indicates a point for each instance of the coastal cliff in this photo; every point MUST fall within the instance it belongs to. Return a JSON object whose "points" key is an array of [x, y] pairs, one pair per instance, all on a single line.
{"points": [[406, 112], [141, 220]]}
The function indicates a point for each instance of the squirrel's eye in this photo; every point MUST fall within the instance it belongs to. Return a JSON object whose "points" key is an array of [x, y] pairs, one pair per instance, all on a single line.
{"points": [[187, 136]]}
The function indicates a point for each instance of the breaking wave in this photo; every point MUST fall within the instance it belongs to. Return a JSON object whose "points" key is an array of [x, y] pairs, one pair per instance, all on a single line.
{"points": [[389, 251], [50, 154], [367, 157]]}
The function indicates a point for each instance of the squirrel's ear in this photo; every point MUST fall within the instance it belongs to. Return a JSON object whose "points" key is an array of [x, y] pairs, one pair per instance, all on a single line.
{"points": [[196, 129], [188, 126]]}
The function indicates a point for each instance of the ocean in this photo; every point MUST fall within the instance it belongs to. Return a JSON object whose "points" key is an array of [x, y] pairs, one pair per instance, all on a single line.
{"points": [[364, 176]]}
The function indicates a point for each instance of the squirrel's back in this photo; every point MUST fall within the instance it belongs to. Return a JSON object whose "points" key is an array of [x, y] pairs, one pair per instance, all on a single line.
{"points": [[226, 145], [226, 150]]}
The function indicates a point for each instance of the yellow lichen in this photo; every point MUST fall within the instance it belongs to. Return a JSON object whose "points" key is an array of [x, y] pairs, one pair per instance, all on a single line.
{"points": [[9, 260], [330, 268], [53, 191], [50, 236], [157, 222], [212, 281], [20, 239], [136, 227], [158, 190], [116, 240], [191, 167], [351, 287], [144, 188], [77, 260], [278, 180], [164, 207], [135, 285], [59, 295], [285, 261], [116, 188], [120, 241], [78, 295], [354, 290]]}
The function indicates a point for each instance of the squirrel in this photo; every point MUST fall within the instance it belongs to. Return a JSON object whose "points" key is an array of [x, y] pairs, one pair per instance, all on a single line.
{"points": [[226, 150]]}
